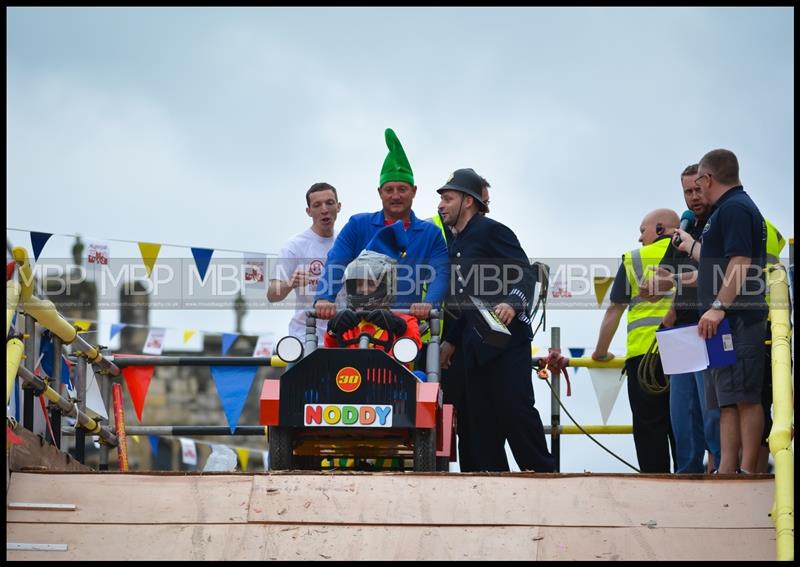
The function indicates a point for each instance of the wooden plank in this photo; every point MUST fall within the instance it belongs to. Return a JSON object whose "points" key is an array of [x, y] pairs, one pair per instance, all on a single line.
{"points": [[642, 544], [389, 498], [277, 542], [607, 501], [133, 498]]}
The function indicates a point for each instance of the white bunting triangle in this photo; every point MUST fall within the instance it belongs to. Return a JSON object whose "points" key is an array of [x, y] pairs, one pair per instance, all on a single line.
{"points": [[188, 451], [607, 383], [155, 341], [95, 408]]}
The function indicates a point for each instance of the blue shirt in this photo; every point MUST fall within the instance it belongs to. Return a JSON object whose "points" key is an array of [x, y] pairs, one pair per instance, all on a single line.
{"points": [[735, 228], [426, 261]]}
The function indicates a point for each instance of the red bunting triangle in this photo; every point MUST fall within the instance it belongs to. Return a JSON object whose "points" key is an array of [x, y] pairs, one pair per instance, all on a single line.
{"points": [[11, 437], [138, 379]]}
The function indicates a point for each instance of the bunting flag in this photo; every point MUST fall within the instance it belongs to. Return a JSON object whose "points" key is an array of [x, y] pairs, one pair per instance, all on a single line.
{"points": [[244, 456], [97, 253], [188, 334], [601, 285], [188, 451], [607, 383], [233, 384], [115, 329], [255, 269], [576, 352], [38, 240], [155, 341], [149, 253], [154, 439], [534, 349], [264, 346], [46, 350], [95, 407], [202, 257], [137, 378], [227, 341], [82, 325]]}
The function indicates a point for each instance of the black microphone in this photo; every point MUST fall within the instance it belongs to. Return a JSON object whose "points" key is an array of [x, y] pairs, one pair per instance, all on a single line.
{"points": [[687, 218]]}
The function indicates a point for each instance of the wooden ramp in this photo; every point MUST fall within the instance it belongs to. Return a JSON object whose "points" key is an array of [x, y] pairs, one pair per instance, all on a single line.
{"points": [[388, 516]]}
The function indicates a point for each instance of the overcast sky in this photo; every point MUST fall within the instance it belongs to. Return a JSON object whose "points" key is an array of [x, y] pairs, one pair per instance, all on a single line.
{"points": [[204, 127]]}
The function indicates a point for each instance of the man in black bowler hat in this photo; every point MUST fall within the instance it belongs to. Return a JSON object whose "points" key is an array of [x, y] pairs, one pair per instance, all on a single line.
{"points": [[490, 268]]}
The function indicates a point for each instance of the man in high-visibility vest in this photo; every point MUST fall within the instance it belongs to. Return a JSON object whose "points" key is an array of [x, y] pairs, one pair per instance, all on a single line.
{"points": [[775, 245], [652, 431]]}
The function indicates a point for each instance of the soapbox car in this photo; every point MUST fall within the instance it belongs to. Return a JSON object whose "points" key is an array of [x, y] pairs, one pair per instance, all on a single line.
{"points": [[359, 403]]}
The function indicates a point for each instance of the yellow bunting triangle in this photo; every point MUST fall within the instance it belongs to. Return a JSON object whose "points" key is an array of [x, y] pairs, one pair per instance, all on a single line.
{"points": [[534, 349], [188, 334], [244, 456], [601, 285], [149, 255], [83, 325], [135, 438]]}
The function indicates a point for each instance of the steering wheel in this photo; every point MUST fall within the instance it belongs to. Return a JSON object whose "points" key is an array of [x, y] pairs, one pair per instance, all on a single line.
{"points": [[362, 316]]}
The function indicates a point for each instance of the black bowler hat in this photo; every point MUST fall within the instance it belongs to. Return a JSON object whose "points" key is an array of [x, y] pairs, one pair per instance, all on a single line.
{"points": [[466, 181]]}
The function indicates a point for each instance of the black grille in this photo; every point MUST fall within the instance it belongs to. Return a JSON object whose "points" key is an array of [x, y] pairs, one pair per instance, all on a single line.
{"points": [[384, 381]]}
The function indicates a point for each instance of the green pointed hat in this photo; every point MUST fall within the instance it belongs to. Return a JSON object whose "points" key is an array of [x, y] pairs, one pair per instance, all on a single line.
{"points": [[395, 166]]}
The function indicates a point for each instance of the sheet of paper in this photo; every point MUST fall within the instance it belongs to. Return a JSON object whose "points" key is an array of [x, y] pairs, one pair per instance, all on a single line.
{"points": [[682, 350]]}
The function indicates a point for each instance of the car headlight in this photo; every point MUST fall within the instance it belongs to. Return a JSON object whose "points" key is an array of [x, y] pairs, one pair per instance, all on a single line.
{"points": [[289, 349], [405, 350]]}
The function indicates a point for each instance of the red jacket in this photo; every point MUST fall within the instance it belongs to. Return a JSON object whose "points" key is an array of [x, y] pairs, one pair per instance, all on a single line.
{"points": [[412, 332]]}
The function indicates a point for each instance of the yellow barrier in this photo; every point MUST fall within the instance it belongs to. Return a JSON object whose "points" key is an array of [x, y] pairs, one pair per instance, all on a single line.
{"points": [[47, 315], [14, 351], [13, 290], [591, 363], [25, 275], [780, 436], [597, 429]]}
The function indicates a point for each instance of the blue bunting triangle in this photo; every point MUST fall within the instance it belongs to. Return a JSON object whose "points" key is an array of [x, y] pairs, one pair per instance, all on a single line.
{"points": [[202, 257], [115, 329], [46, 350], [233, 384], [576, 352], [38, 240], [227, 340], [153, 444]]}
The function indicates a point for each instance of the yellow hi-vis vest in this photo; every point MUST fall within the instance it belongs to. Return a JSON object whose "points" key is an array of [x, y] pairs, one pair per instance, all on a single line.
{"points": [[644, 316], [775, 244], [426, 337], [437, 220]]}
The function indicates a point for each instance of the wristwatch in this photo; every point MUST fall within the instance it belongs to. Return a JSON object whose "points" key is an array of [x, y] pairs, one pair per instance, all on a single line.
{"points": [[717, 304]]}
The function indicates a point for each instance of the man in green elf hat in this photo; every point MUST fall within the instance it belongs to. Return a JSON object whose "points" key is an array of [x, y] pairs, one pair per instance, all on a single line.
{"points": [[426, 260]]}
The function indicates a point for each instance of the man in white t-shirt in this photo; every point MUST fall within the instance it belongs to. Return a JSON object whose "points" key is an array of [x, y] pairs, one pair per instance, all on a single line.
{"points": [[303, 256]]}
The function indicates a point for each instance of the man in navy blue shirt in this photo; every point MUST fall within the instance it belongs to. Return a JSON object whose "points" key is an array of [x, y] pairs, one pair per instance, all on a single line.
{"points": [[732, 255]]}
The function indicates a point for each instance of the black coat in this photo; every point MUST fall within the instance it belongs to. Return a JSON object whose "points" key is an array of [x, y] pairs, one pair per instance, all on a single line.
{"points": [[488, 262]]}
